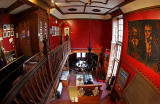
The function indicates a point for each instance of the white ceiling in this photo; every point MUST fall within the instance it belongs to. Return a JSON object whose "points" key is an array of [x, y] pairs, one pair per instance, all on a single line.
{"points": [[139, 4], [6, 3], [102, 10], [79, 9], [103, 5], [132, 6], [20, 9]]}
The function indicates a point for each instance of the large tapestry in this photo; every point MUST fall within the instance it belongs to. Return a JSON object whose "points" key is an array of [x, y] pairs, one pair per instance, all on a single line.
{"points": [[144, 42]]}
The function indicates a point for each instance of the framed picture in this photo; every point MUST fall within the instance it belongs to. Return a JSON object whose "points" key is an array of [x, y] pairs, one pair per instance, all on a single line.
{"points": [[12, 33], [143, 42], [4, 34], [23, 34], [41, 25], [12, 27], [41, 31], [8, 26], [56, 30], [16, 35], [45, 25], [122, 77], [4, 27], [66, 31], [50, 32], [46, 33], [8, 33]]}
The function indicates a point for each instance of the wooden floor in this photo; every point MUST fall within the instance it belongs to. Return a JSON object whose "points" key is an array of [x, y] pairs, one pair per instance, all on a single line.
{"points": [[65, 99]]}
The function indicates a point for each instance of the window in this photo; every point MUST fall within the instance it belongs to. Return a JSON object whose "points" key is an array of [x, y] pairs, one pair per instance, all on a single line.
{"points": [[83, 55], [116, 46], [78, 55]]}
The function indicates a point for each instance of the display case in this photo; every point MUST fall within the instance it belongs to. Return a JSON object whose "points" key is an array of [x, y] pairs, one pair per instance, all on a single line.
{"points": [[64, 78]]}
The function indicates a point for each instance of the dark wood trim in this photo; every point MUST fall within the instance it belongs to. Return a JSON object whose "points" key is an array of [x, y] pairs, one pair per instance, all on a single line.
{"points": [[102, 14], [87, 3], [84, 19], [58, 9], [62, 53], [46, 3], [28, 2], [99, 2], [84, 6], [34, 5], [99, 7], [55, 77], [75, 1]]}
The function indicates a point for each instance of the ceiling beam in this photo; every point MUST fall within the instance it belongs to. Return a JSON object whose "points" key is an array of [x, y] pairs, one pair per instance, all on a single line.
{"points": [[38, 3], [84, 8], [15, 5]]}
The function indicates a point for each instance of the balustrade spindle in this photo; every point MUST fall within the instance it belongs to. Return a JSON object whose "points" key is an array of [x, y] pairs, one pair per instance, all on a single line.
{"points": [[41, 78]]}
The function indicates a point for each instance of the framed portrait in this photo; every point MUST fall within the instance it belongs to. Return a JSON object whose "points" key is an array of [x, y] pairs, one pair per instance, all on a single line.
{"points": [[4, 34], [12, 33], [8, 27], [143, 42], [66, 31], [8, 33], [4, 27]]}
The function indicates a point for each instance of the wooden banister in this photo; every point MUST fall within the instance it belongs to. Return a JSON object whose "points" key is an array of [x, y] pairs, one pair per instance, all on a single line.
{"points": [[37, 84]]}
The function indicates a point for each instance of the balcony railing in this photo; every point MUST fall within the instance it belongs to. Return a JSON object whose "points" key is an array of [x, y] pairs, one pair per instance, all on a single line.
{"points": [[39, 84]]}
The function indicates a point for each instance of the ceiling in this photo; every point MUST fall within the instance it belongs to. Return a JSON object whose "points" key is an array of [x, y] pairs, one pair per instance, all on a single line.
{"points": [[78, 9], [99, 7], [14, 6]]}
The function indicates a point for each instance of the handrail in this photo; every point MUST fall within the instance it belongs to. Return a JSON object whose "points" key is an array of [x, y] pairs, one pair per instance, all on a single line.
{"points": [[36, 85]]}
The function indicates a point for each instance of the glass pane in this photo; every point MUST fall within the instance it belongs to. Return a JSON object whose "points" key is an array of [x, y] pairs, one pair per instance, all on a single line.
{"points": [[115, 68], [120, 33], [118, 52], [78, 55], [120, 27], [83, 54], [120, 21]]}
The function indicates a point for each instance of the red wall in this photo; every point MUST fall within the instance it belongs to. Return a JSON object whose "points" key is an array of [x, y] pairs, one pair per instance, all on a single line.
{"points": [[100, 33], [7, 19], [54, 40], [129, 63]]}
